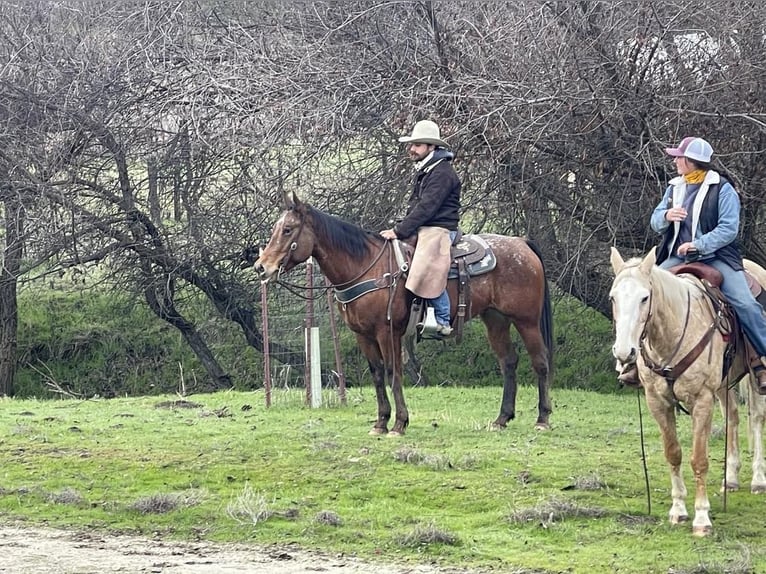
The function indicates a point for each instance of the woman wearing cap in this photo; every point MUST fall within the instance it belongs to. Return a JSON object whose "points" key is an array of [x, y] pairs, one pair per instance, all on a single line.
{"points": [[433, 214], [699, 217]]}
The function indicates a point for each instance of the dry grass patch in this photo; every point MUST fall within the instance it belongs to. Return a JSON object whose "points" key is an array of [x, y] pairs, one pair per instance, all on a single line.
{"points": [[554, 510], [328, 518], [66, 496], [166, 502], [423, 535], [742, 565]]}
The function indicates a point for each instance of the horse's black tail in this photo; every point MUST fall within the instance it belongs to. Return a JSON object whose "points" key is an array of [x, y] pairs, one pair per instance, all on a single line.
{"points": [[546, 319]]}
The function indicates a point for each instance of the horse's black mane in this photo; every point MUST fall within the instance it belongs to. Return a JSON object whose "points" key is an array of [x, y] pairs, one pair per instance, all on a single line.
{"points": [[341, 234]]}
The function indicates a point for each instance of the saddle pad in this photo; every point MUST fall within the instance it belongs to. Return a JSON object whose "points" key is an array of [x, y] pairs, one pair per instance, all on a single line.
{"points": [[479, 256]]}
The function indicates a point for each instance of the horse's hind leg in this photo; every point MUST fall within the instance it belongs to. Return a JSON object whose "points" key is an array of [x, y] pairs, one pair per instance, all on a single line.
{"points": [[499, 336], [371, 351], [538, 353], [755, 420]]}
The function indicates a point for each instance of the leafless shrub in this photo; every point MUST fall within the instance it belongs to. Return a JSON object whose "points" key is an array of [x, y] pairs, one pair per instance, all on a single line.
{"points": [[249, 507]]}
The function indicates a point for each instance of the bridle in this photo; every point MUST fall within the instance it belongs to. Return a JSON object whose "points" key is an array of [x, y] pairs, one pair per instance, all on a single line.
{"points": [[294, 246], [664, 368]]}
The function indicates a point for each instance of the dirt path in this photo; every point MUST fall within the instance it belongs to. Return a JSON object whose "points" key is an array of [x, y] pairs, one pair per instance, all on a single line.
{"points": [[44, 551]]}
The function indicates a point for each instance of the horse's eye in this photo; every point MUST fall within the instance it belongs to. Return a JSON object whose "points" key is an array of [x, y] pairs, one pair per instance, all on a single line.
{"points": [[286, 231], [645, 299]]}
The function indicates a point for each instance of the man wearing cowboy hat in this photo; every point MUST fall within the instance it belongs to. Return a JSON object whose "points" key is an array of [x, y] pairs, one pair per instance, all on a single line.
{"points": [[433, 213]]}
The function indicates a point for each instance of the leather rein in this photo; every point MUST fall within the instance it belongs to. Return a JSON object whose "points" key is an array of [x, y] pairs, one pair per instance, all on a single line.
{"points": [[664, 369], [355, 290]]}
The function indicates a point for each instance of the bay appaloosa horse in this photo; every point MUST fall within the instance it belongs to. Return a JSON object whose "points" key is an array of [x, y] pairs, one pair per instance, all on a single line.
{"points": [[677, 336], [515, 292]]}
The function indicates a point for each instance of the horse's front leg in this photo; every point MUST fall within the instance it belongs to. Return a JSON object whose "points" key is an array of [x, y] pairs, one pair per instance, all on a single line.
{"points": [[665, 416], [391, 344], [702, 418], [371, 351]]}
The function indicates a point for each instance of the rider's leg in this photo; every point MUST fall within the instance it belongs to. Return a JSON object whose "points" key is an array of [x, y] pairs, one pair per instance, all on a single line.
{"points": [[671, 261], [441, 307]]}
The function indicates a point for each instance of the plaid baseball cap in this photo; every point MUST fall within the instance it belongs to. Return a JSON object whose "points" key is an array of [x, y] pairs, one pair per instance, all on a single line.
{"points": [[693, 148]]}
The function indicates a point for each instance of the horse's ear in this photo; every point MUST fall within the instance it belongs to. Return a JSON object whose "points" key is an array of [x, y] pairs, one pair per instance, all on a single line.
{"points": [[291, 199], [649, 261], [616, 260]]}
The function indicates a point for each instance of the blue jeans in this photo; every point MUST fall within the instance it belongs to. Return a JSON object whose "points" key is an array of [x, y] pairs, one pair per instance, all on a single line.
{"points": [[441, 304], [737, 293]]}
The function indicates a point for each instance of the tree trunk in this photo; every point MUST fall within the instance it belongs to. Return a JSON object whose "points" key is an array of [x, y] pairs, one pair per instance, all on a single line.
{"points": [[14, 226], [165, 309]]}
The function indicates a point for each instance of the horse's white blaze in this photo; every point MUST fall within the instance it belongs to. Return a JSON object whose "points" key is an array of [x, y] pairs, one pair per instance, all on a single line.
{"points": [[630, 309]]}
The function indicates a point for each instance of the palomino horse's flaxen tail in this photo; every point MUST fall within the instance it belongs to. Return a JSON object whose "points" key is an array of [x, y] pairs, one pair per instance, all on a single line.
{"points": [[546, 319]]}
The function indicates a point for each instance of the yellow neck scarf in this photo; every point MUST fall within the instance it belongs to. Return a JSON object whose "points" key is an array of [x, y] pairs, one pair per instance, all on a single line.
{"points": [[696, 176]]}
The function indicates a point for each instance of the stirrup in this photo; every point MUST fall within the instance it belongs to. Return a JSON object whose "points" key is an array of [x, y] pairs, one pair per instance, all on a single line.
{"points": [[428, 326]]}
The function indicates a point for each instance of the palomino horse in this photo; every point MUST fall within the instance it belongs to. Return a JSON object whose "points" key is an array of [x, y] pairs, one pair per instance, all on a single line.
{"points": [[756, 408], [515, 292], [664, 322]]}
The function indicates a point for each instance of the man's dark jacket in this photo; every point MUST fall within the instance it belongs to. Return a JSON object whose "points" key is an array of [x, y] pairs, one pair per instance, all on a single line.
{"points": [[435, 199]]}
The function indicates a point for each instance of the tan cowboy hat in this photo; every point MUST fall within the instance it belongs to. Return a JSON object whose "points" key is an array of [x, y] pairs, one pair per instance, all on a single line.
{"points": [[427, 132]]}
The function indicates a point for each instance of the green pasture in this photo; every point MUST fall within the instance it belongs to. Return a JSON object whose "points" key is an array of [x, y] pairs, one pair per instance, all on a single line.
{"points": [[223, 467]]}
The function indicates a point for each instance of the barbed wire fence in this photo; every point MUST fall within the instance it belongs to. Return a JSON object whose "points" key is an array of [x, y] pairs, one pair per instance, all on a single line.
{"points": [[305, 342]]}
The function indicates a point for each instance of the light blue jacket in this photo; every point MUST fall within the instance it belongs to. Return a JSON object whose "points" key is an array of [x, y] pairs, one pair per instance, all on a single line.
{"points": [[728, 214]]}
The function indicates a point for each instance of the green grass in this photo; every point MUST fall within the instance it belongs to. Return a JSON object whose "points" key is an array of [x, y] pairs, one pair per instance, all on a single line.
{"points": [[450, 492]]}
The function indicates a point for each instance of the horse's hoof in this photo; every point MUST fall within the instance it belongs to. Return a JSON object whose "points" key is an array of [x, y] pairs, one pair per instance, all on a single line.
{"points": [[701, 531], [679, 519], [730, 487], [496, 426], [542, 426], [375, 431], [395, 433], [757, 488], [501, 422]]}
